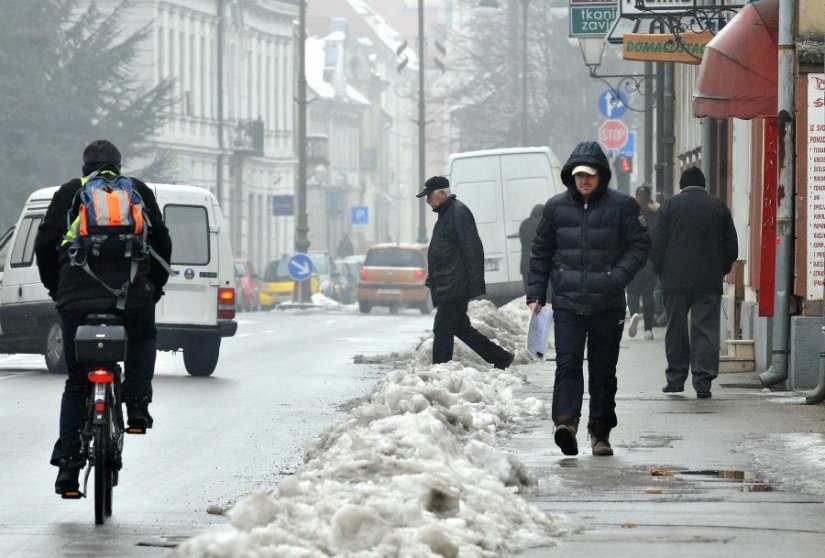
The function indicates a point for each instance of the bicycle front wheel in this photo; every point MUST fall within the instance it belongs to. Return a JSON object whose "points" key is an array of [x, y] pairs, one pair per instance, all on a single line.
{"points": [[103, 474]]}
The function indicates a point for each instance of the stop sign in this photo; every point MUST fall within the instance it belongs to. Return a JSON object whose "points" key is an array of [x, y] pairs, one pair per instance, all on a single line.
{"points": [[613, 134]]}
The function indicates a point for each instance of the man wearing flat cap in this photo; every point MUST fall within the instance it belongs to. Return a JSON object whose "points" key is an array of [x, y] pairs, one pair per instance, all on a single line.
{"points": [[694, 247], [589, 244], [456, 275]]}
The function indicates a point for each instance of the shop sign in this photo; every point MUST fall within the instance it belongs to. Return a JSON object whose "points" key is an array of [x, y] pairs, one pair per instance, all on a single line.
{"points": [[686, 48]]}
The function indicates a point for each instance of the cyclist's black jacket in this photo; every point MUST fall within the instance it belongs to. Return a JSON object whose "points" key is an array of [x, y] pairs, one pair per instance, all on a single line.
{"points": [[591, 250], [71, 287], [455, 256]]}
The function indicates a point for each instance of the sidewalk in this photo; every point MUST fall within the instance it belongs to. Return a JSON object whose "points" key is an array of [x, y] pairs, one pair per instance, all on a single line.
{"points": [[735, 490]]}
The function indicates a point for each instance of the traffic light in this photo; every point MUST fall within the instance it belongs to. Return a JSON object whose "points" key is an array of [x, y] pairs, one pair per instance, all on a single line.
{"points": [[626, 164]]}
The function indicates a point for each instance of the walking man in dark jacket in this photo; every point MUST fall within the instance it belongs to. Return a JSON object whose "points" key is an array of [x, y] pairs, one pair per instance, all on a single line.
{"points": [[589, 245], [456, 275], [694, 247], [77, 294]]}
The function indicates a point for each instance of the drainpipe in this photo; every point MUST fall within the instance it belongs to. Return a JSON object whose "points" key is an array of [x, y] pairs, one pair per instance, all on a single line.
{"points": [[785, 195]]}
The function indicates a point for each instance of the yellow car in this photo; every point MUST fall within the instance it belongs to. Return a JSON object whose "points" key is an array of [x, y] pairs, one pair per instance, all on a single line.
{"points": [[277, 285]]}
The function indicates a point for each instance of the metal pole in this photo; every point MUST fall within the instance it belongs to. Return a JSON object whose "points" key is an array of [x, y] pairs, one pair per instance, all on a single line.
{"points": [[648, 145], [785, 194], [219, 71], [524, 5], [301, 294], [660, 132], [422, 124], [668, 137]]}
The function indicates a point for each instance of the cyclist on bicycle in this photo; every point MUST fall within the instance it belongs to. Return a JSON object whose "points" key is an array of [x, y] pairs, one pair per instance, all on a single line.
{"points": [[79, 292]]}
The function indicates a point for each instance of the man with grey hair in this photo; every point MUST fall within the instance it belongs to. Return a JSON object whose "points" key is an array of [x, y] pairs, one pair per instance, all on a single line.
{"points": [[456, 275]]}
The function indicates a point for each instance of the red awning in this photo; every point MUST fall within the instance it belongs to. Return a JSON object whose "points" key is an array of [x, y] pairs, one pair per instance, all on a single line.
{"points": [[737, 77]]}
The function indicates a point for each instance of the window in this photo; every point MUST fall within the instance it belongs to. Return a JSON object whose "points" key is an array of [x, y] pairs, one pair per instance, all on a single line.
{"points": [[277, 271], [5, 244], [393, 257], [22, 253], [189, 228]]}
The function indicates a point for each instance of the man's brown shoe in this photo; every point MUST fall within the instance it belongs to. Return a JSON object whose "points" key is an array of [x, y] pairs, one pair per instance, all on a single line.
{"points": [[600, 445], [565, 438]]}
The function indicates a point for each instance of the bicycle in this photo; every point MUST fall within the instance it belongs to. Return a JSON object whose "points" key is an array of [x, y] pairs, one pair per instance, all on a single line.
{"points": [[100, 345]]}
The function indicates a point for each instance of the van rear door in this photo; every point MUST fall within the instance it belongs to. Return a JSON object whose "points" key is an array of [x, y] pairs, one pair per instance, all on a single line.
{"points": [[191, 294], [527, 179], [477, 182]]}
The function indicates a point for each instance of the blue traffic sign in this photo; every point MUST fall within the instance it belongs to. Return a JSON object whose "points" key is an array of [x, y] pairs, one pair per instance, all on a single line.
{"points": [[629, 148], [300, 267], [613, 103], [360, 215]]}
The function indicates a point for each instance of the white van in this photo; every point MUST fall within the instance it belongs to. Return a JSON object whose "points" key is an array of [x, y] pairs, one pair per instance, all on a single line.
{"points": [[501, 187], [196, 312]]}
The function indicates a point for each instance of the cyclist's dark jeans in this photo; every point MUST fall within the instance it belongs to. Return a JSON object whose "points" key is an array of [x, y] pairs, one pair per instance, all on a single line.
{"points": [[139, 369]]}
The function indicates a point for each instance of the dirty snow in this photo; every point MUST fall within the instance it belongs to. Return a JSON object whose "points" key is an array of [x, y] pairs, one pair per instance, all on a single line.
{"points": [[791, 461], [415, 470]]}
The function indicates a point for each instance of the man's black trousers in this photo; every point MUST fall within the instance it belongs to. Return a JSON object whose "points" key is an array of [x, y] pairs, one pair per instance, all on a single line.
{"points": [[600, 334], [451, 321]]}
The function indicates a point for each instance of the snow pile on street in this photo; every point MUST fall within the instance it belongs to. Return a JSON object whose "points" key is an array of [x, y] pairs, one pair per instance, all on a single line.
{"points": [[415, 470], [792, 461]]}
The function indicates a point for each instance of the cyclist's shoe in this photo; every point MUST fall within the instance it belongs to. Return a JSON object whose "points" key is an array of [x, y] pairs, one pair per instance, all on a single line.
{"points": [[139, 418], [68, 479]]}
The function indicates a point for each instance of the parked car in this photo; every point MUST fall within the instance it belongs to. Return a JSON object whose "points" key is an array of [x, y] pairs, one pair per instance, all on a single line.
{"points": [[393, 275], [247, 286], [350, 269], [277, 285], [329, 276]]}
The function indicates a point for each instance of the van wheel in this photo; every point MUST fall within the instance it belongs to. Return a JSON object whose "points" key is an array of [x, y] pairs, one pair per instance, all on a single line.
{"points": [[200, 359], [364, 307], [427, 306], [55, 357]]}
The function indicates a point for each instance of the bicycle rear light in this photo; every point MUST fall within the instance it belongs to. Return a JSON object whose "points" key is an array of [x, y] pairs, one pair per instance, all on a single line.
{"points": [[101, 376], [226, 303]]}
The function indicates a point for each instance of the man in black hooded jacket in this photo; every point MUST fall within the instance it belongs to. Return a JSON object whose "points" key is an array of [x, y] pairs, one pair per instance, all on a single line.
{"points": [[77, 295], [589, 244], [455, 275]]}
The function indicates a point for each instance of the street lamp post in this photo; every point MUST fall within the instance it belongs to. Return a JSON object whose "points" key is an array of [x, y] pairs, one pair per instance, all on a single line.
{"points": [[524, 13], [301, 294], [422, 123]]}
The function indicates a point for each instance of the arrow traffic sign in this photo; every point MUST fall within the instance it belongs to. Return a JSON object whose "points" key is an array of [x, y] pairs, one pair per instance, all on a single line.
{"points": [[300, 267]]}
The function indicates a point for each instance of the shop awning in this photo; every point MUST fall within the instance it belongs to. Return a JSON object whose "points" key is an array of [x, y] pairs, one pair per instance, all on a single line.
{"points": [[737, 77]]}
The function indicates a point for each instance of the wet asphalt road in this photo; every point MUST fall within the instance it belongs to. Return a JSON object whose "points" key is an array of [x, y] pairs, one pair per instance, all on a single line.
{"points": [[279, 382]]}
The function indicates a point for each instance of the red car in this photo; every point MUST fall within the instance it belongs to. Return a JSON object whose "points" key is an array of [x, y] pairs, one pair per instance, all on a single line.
{"points": [[247, 285]]}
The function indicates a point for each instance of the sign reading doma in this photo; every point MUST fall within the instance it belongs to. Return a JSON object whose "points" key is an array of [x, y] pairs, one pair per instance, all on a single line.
{"points": [[686, 47]]}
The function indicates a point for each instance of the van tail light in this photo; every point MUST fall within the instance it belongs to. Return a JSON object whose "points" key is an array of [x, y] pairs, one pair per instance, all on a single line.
{"points": [[226, 303], [363, 274], [420, 274]]}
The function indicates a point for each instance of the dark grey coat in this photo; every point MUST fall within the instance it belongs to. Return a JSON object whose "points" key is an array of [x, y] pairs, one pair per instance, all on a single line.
{"points": [[694, 243]]}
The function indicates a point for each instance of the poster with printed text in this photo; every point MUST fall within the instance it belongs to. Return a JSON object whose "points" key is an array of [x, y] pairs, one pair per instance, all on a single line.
{"points": [[816, 186]]}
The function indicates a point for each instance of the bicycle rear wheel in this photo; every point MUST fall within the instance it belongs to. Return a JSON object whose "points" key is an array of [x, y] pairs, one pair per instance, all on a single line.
{"points": [[103, 474]]}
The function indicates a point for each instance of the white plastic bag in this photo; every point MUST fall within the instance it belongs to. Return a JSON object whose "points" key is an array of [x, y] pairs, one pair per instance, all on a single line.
{"points": [[538, 332]]}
